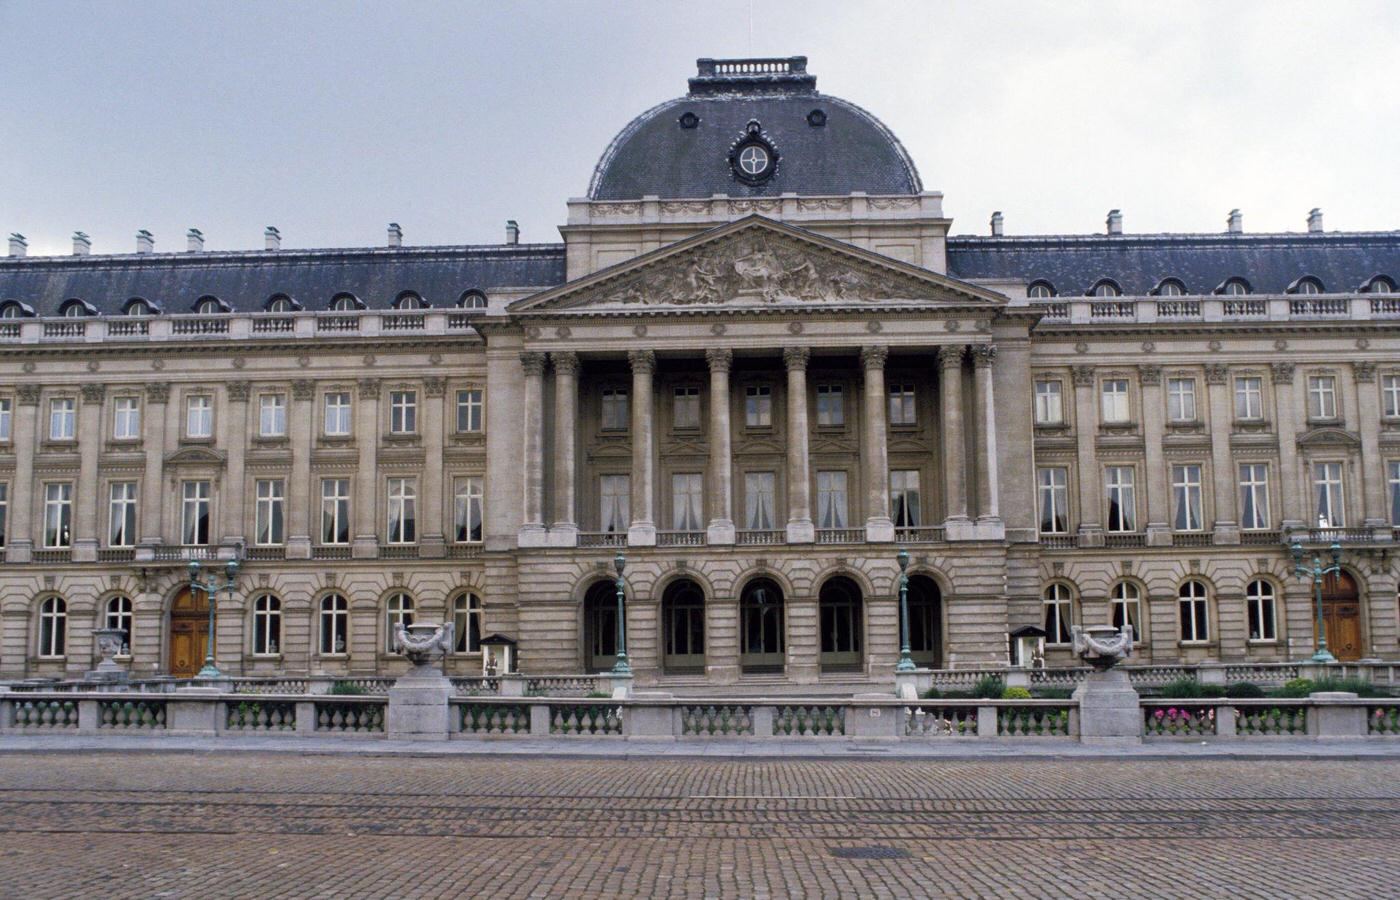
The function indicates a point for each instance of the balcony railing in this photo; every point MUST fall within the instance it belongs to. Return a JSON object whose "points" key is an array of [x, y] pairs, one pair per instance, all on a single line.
{"points": [[680, 538], [464, 551], [840, 535], [263, 554], [65, 328], [330, 552], [602, 539], [1330, 535], [192, 326], [51, 556], [181, 554], [1192, 539], [398, 551], [1245, 309], [1059, 541], [405, 322], [1119, 539], [1318, 308], [116, 554], [277, 325], [753, 536], [1179, 310], [922, 534], [1259, 538], [338, 323]]}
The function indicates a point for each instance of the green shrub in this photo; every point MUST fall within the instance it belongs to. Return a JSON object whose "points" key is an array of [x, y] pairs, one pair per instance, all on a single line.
{"points": [[1052, 693], [1358, 686], [957, 695], [1296, 687], [932, 694], [1244, 689], [597, 695], [988, 687], [347, 688], [1015, 693], [1212, 690], [1182, 688]]}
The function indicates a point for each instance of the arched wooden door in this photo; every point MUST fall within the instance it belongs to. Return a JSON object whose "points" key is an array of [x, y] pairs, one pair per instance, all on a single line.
{"points": [[1341, 616], [189, 633]]}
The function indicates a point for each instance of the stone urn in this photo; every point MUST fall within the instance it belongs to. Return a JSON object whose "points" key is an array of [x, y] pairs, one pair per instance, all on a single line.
{"points": [[109, 643], [1109, 712], [424, 644], [418, 701], [1103, 646]]}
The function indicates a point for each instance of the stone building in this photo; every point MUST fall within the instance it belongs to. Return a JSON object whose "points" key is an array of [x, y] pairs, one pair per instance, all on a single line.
{"points": [[759, 363]]}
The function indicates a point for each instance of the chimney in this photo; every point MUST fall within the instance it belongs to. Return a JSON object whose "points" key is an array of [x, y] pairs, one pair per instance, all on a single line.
{"points": [[1315, 220], [194, 241], [996, 224], [512, 232], [82, 244], [1115, 222], [145, 242], [1235, 222], [18, 245], [272, 238], [395, 235]]}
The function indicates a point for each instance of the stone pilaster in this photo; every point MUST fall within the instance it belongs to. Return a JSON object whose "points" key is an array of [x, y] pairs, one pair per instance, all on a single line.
{"points": [[989, 523], [154, 430], [564, 529], [298, 492], [532, 532], [1222, 464], [367, 490], [1090, 477], [721, 525], [232, 426], [1158, 498], [436, 502], [86, 501], [643, 528], [950, 361], [1373, 475], [875, 447], [799, 480], [20, 541], [1291, 493]]}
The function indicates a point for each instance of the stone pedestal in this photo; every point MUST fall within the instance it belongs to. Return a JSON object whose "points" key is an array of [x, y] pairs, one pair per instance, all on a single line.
{"points": [[418, 708], [912, 685], [1109, 712]]}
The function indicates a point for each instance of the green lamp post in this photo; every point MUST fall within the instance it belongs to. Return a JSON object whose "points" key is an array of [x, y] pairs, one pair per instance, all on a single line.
{"points": [[1316, 571], [906, 661], [621, 667], [211, 588]]}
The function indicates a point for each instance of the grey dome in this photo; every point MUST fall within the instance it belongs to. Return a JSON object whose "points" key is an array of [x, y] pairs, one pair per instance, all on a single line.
{"points": [[849, 150]]}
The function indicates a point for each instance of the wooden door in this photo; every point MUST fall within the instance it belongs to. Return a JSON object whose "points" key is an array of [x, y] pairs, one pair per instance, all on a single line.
{"points": [[1341, 616], [189, 634]]}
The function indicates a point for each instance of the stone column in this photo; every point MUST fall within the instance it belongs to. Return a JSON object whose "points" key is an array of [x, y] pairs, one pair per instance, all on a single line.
{"points": [[86, 500], [875, 449], [433, 507], [152, 497], [1373, 475], [366, 500], [1222, 464], [954, 441], [988, 505], [1090, 487], [643, 529], [532, 532], [564, 530], [721, 525], [799, 479], [20, 541], [298, 493], [232, 424], [1158, 499], [1290, 499]]}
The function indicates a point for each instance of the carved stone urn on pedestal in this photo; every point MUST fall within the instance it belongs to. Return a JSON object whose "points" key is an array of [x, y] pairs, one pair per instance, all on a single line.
{"points": [[1109, 712], [109, 643], [418, 707]]}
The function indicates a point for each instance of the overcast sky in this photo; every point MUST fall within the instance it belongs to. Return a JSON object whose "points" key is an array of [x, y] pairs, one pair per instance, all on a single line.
{"points": [[329, 120]]}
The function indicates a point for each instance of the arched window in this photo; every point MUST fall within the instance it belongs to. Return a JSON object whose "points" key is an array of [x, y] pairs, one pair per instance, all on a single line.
{"points": [[1059, 614], [1194, 608], [11, 310], [1259, 598], [839, 604], [73, 309], [1106, 288], [466, 623], [139, 307], [761, 626], [1126, 603], [1235, 287], [281, 303], [335, 625], [119, 617], [53, 628], [1380, 285], [1170, 287], [683, 623], [600, 626], [409, 300], [1306, 285], [1040, 290], [925, 621], [267, 626], [398, 610], [472, 300], [344, 303], [209, 306]]}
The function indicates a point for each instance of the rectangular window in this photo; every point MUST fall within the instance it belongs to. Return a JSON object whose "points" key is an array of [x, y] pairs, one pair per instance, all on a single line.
{"points": [[1322, 397], [1186, 497], [1053, 488], [470, 411], [685, 408], [199, 416], [905, 505], [1049, 403], [614, 409], [466, 511], [269, 511], [1390, 401], [614, 503], [337, 414], [1122, 498], [126, 422], [902, 405], [194, 512], [6, 418], [758, 500], [1181, 399], [58, 515], [1393, 473], [1327, 479], [403, 513], [335, 510], [4, 511], [1249, 398], [758, 406], [1059, 615], [831, 500], [62, 421], [1254, 496], [831, 405], [1115, 400], [1260, 600], [403, 412], [687, 490], [1194, 612], [272, 415], [121, 515]]}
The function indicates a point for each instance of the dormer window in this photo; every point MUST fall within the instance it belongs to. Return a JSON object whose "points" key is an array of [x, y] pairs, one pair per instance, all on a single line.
{"points": [[210, 306], [1380, 285], [1170, 287], [11, 311], [472, 300], [281, 303], [1106, 288], [138, 307], [1040, 290], [345, 303], [74, 309], [1234, 287], [1306, 285], [409, 300]]}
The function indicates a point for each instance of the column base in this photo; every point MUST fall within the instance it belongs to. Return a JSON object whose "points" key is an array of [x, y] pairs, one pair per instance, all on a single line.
{"points": [[1158, 535], [990, 528], [298, 548], [432, 546], [85, 550], [365, 547], [642, 534], [959, 528], [562, 534], [723, 674], [1090, 536], [879, 530], [19, 551], [720, 532], [801, 531], [532, 536], [1226, 533]]}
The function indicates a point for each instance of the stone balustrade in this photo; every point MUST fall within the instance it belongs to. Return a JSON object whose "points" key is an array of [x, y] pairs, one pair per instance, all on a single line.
{"points": [[1219, 308]]}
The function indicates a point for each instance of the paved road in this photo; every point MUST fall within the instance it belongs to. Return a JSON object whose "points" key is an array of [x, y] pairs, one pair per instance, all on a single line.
{"points": [[179, 824]]}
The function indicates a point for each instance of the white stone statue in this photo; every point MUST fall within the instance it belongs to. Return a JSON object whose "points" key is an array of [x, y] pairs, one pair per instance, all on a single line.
{"points": [[1101, 646]]}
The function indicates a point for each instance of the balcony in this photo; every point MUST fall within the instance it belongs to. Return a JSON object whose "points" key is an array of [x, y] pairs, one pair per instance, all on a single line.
{"points": [[750, 537], [398, 551], [840, 535], [464, 551], [922, 534], [1059, 541], [680, 538], [52, 556], [116, 554], [1192, 539], [602, 539], [330, 551], [1120, 539], [264, 554]]}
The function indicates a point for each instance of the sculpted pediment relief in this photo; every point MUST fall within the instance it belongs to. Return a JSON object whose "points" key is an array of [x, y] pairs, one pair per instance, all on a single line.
{"points": [[195, 456], [1329, 437]]}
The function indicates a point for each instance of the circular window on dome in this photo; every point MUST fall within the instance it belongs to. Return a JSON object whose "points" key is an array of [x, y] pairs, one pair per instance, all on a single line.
{"points": [[816, 118], [753, 158], [689, 120]]}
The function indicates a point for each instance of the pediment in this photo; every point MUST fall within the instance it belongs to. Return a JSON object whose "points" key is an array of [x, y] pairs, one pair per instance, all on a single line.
{"points": [[757, 263], [195, 456], [1329, 437]]}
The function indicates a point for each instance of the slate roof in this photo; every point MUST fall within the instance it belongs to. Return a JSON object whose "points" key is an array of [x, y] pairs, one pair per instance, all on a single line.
{"points": [[852, 151], [1269, 263], [246, 280]]}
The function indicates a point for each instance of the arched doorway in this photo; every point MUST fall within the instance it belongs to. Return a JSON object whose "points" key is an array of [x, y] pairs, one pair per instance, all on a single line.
{"points": [[1341, 616], [761, 642], [683, 627], [600, 627], [189, 633], [925, 622], [842, 625]]}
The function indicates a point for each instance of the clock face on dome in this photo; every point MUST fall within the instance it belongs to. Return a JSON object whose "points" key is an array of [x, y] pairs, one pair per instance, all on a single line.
{"points": [[753, 160]]}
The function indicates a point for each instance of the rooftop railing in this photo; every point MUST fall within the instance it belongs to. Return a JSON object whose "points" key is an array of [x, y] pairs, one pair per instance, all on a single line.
{"points": [[265, 326], [1216, 308]]}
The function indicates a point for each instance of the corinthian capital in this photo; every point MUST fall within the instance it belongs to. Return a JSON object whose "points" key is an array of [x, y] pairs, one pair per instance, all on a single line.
{"points": [[565, 363], [532, 362], [94, 392], [874, 357], [643, 361], [983, 355], [950, 356], [237, 391], [796, 357], [719, 358]]}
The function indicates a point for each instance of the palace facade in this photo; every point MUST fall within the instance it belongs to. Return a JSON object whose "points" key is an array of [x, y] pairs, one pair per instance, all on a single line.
{"points": [[759, 364]]}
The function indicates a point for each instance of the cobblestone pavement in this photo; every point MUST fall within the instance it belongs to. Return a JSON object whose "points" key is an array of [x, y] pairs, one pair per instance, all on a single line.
{"points": [[175, 824]]}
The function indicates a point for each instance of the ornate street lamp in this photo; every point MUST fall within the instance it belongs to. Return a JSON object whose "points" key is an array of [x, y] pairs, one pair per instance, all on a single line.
{"points": [[906, 661], [1316, 572], [621, 667], [211, 589]]}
